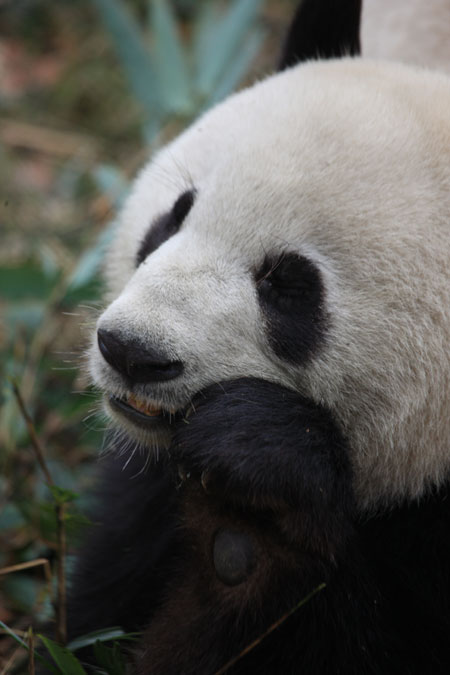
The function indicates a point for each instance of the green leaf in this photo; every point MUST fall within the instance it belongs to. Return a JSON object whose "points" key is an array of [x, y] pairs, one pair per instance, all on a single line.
{"points": [[12, 634], [63, 476], [61, 495], [49, 264], [228, 36], [110, 658], [24, 281], [238, 68], [39, 657], [27, 313], [104, 635], [112, 182], [132, 53], [11, 517], [86, 269], [78, 520], [63, 657], [170, 60], [204, 34], [22, 590], [89, 263]]}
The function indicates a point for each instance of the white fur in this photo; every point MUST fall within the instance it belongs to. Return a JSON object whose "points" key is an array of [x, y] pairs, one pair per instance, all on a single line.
{"points": [[410, 31], [348, 163]]}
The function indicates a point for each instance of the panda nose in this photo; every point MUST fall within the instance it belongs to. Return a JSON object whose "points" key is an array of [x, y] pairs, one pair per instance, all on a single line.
{"points": [[135, 362]]}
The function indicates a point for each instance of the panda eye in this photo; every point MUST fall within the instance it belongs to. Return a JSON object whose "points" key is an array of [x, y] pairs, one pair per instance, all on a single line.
{"points": [[165, 226], [291, 296], [288, 277]]}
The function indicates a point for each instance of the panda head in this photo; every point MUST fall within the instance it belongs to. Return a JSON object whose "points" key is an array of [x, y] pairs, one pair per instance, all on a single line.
{"points": [[299, 232]]}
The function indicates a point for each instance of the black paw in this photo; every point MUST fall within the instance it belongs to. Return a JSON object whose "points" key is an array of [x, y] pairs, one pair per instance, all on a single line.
{"points": [[264, 446]]}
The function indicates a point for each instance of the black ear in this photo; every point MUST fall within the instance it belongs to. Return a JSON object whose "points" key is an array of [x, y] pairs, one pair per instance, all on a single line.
{"points": [[322, 29]]}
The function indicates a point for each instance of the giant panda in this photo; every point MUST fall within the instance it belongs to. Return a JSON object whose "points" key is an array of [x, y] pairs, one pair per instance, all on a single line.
{"points": [[275, 359]]}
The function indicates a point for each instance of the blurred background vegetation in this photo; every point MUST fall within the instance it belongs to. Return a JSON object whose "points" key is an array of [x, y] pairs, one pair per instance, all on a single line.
{"points": [[88, 88]]}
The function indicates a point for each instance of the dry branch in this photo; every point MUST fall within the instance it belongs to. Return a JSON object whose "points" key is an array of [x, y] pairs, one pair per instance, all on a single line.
{"points": [[60, 509], [47, 141]]}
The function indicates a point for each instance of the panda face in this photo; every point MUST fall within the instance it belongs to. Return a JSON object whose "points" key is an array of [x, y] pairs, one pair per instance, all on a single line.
{"points": [[296, 233]]}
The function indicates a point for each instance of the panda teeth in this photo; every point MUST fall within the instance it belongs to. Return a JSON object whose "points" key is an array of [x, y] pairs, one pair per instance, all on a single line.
{"points": [[189, 410], [144, 407]]}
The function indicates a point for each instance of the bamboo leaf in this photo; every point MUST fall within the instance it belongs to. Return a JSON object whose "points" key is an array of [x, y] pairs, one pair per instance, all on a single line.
{"points": [[132, 53], [89, 263], [50, 668], [170, 60], [104, 635], [112, 182], [228, 37], [109, 658], [237, 69], [63, 657], [205, 32], [61, 495], [12, 634]]}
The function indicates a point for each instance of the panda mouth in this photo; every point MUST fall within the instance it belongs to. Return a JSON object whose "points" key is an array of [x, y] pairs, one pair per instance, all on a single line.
{"points": [[140, 412]]}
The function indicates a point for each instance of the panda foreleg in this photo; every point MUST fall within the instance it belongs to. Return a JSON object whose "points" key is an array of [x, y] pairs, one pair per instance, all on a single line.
{"points": [[271, 523], [124, 561], [261, 446]]}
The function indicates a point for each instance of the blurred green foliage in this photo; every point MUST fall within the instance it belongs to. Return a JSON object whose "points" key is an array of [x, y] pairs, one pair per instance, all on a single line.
{"points": [[91, 85], [170, 76]]}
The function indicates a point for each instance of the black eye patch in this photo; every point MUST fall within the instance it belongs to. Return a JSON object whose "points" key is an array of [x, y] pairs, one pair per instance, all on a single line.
{"points": [[291, 296], [165, 226]]}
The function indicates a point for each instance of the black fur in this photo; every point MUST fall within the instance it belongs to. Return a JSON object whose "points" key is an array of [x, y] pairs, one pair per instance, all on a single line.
{"points": [[260, 462], [323, 29], [165, 226], [291, 295], [126, 557]]}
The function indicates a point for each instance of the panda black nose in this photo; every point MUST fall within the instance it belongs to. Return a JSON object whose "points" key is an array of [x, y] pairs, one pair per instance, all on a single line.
{"points": [[135, 362]]}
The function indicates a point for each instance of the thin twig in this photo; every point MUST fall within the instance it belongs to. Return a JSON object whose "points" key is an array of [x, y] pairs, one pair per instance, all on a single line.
{"points": [[61, 612], [271, 628], [19, 633], [30, 642], [60, 509], [47, 141], [32, 433], [26, 565], [7, 668], [39, 562]]}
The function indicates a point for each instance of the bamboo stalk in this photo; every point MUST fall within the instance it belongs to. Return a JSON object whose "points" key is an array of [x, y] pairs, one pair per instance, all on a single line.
{"points": [[61, 609]]}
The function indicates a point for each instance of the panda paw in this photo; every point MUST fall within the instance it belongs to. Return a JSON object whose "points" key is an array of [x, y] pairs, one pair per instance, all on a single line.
{"points": [[259, 445]]}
